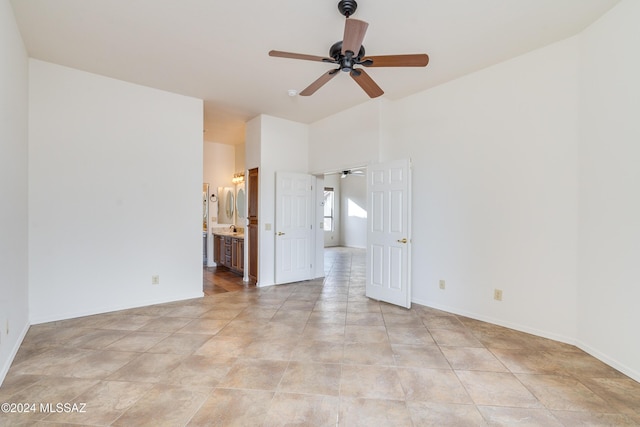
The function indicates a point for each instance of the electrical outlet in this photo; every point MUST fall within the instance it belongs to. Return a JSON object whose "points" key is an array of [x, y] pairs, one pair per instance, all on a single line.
{"points": [[155, 280], [497, 294], [442, 284]]}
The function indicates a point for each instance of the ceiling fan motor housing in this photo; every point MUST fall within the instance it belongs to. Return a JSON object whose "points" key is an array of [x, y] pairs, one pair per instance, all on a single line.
{"points": [[346, 62], [336, 51], [347, 7]]}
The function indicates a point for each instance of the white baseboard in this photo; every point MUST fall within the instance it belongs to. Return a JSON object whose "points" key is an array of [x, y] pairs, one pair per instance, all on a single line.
{"points": [[12, 355], [603, 357], [632, 373], [108, 309]]}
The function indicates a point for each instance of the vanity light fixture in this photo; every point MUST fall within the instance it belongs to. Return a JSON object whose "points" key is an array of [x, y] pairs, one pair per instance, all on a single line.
{"points": [[238, 178]]}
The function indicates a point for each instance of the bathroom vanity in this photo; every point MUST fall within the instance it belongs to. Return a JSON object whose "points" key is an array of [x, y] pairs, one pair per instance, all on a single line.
{"points": [[228, 250]]}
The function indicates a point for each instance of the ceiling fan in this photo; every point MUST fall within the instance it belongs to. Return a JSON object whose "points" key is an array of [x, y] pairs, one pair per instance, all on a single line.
{"points": [[354, 172], [349, 52]]}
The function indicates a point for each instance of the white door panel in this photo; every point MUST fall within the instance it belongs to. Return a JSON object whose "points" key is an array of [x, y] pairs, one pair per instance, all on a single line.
{"points": [[293, 227], [376, 258], [388, 235]]}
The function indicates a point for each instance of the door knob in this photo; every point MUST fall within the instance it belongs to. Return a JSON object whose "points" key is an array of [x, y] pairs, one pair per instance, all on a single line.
{"points": [[280, 233], [402, 241]]}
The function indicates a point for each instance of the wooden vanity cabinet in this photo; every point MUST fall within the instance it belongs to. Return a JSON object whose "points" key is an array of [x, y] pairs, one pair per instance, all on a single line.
{"points": [[218, 249], [241, 255], [229, 252], [237, 254]]}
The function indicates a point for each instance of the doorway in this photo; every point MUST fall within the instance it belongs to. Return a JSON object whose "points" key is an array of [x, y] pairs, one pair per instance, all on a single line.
{"points": [[345, 208], [385, 231]]}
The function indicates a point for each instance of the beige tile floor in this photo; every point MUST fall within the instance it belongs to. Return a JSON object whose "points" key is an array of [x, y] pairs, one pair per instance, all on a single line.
{"points": [[308, 354]]}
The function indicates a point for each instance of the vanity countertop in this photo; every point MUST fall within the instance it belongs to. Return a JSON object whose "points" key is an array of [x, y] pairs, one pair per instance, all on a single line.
{"points": [[237, 234]]}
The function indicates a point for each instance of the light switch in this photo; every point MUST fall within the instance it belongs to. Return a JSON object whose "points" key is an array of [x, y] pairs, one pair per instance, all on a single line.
{"points": [[267, 227]]}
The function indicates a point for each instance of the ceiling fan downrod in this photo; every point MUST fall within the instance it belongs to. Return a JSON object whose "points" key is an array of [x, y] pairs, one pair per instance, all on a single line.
{"points": [[347, 7]]}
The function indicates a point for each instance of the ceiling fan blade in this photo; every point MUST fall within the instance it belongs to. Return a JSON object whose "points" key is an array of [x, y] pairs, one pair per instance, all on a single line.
{"points": [[417, 60], [313, 87], [366, 83], [280, 54], [354, 31]]}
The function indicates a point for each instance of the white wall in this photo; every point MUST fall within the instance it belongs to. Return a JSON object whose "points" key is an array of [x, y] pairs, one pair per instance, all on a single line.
{"points": [[353, 211], [283, 147], [609, 267], [218, 169], [350, 223], [13, 188], [240, 156], [345, 140], [342, 141], [525, 179], [115, 173], [253, 150], [495, 190]]}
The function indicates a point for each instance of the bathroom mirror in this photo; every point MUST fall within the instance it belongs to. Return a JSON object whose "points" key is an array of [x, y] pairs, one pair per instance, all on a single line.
{"points": [[230, 205], [240, 201], [226, 205]]}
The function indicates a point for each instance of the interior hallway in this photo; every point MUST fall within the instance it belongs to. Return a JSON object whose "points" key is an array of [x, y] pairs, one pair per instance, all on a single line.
{"points": [[310, 353]]}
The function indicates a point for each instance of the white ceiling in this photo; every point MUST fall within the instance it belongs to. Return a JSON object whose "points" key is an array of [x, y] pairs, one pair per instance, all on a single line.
{"points": [[217, 50]]}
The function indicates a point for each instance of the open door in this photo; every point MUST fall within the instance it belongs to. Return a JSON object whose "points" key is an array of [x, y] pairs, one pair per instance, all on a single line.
{"points": [[388, 272], [293, 233]]}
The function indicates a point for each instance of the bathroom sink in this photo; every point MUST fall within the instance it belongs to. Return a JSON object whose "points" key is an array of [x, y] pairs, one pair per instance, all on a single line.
{"points": [[229, 233]]}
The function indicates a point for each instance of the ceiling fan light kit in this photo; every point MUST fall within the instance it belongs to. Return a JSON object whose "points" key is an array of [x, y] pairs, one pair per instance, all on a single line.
{"points": [[349, 52]]}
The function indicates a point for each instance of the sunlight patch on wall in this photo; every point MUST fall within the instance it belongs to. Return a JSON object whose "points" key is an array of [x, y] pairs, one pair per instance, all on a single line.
{"points": [[354, 209]]}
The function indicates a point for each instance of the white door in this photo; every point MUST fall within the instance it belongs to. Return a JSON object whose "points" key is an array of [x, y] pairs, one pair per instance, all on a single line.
{"points": [[389, 232], [293, 233]]}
